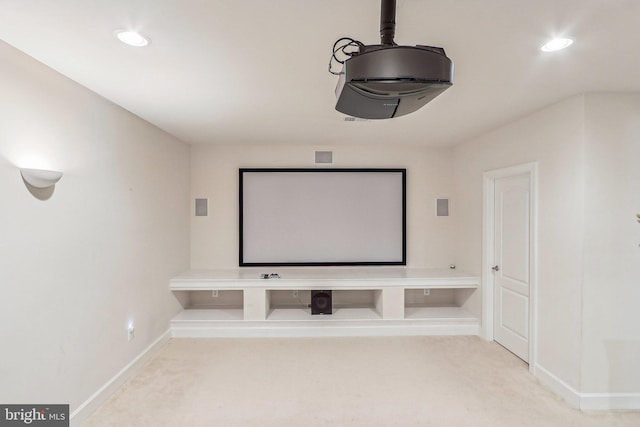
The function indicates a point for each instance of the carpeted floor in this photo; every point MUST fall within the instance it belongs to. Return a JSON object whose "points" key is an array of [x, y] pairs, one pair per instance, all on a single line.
{"points": [[380, 381]]}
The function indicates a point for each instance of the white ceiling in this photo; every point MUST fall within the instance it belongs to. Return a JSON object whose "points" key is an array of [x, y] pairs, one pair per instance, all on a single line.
{"points": [[255, 71]]}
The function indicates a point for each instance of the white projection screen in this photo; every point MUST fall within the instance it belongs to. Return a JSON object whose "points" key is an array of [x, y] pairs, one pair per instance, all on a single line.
{"points": [[312, 217]]}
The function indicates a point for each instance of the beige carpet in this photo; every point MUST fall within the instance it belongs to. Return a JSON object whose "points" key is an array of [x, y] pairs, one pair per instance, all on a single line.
{"points": [[398, 381]]}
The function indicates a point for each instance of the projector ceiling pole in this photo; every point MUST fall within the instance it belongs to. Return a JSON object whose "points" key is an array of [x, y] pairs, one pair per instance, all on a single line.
{"points": [[387, 21]]}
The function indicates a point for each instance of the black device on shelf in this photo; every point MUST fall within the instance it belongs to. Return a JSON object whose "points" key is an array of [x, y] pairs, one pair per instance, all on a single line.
{"points": [[321, 302]]}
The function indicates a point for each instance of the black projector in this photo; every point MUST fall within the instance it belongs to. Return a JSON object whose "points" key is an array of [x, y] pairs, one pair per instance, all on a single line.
{"points": [[385, 81]]}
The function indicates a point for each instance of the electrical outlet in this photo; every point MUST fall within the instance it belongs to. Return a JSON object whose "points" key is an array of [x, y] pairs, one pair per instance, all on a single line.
{"points": [[427, 291], [131, 333], [295, 294], [214, 293]]}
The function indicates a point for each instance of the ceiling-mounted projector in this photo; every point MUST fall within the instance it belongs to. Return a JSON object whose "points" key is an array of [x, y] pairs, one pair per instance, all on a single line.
{"points": [[386, 80]]}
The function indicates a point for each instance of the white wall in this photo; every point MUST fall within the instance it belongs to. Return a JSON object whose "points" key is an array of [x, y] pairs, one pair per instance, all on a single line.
{"points": [[77, 268], [553, 137], [587, 149], [611, 333], [214, 175]]}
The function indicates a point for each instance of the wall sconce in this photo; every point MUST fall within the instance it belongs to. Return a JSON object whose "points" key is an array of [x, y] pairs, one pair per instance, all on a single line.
{"points": [[40, 178]]}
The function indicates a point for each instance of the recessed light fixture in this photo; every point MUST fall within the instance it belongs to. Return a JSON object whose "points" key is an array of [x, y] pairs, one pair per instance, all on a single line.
{"points": [[556, 44], [132, 38]]}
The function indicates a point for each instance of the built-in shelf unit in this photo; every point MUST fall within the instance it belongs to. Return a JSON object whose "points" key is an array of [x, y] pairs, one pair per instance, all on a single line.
{"points": [[366, 301]]}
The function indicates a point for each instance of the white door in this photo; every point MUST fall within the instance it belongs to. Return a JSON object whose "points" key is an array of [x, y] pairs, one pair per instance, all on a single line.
{"points": [[512, 277]]}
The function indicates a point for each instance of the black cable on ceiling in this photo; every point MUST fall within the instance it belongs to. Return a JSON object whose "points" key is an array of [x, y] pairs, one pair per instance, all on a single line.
{"points": [[345, 51]]}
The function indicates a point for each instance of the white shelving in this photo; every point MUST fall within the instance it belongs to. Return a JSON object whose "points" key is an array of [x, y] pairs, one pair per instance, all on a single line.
{"points": [[254, 309], [302, 314], [433, 313], [210, 315]]}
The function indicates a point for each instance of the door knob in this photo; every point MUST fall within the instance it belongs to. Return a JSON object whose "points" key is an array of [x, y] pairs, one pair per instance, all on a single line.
{"points": [[495, 268]]}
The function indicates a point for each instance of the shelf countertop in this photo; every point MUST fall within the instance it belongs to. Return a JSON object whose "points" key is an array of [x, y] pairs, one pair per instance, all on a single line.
{"points": [[325, 277]]}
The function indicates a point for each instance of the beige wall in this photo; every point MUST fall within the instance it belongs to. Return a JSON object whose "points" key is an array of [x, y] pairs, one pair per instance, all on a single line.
{"points": [[611, 332], [77, 268], [553, 137], [587, 149], [214, 175]]}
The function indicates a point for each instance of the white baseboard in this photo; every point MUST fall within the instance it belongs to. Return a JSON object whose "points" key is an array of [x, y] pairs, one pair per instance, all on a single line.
{"points": [[559, 387], [83, 412], [587, 401], [610, 401]]}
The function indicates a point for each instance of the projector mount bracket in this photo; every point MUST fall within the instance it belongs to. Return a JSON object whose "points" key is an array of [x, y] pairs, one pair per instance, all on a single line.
{"points": [[387, 21]]}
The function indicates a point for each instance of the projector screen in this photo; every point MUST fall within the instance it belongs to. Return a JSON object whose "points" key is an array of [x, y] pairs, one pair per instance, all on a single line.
{"points": [[311, 217]]}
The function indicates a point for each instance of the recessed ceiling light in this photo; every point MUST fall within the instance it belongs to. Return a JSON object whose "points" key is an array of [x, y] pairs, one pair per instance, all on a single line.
{"points": [[556, 44], [132, 38]]}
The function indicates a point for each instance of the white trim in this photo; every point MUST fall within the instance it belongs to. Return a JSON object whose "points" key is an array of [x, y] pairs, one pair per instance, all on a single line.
{"points": [[533, 271], [262, 330], [559, 387], [83, 412], [488, 233], [610, 401], [587, 401]]}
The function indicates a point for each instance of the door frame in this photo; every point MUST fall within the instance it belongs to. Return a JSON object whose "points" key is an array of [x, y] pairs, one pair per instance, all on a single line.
{"points": [[488, 251]]}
